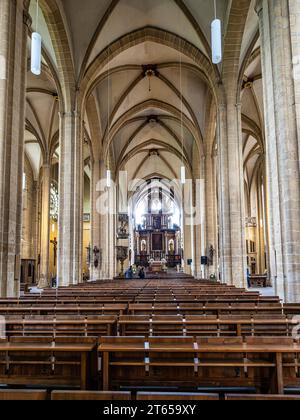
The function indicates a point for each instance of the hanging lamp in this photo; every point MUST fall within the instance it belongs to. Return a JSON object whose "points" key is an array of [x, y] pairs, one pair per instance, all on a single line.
{"points": [[36, 48], [183, 175], [108, 172], [182, 168], [108, 178], [216, 38]]}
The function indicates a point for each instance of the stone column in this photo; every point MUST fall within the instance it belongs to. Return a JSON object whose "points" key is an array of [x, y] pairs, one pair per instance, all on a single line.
{"points": [[200, 222], [211, 217], [71, 200], [44, 280], [189, 222], [14, 22], [294, 9], [198, 250], [261, 243], [231, 192], [103, 214], [280, 41], [112, 235], [104, 226], [95, 220]]}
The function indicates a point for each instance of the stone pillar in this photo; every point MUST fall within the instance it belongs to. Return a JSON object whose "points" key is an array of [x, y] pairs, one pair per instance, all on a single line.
{"points": [[198, 250], [231, 193], [44, 280], [71, 200], [188, 196], [95, 221], [103, 219], [211, 217], [112, 235], [14, 22], [280, 41], [187, 247], [261, 223], [104, 226], [294, 9]]}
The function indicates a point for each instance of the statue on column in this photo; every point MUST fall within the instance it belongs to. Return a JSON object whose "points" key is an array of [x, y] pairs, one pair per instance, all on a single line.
{"points": [[96, 252], [54, 243]]}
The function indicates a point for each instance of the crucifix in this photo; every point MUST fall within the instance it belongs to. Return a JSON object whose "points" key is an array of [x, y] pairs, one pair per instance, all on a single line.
{"points": [[88, 258], [54, 243], [211, 255]]}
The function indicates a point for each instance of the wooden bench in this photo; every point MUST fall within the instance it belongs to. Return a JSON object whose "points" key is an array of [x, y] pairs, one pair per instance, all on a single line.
{"points": [[178, 396], [22, 395], [264, 363], [287, 363], [237, 397], [291, 308], [206, 325], [215, 308], [103, 309], [90, 396], [62, 325], [70, 361]]}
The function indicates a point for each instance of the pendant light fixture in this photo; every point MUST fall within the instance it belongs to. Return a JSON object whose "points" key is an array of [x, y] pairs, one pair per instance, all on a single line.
{"points": [[182, 175], [36, 47], [182, 169], [108, 178], [108, 172], [216, 38]]}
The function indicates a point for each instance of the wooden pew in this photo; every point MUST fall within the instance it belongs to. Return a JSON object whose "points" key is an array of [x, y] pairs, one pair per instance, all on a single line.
{"points": [[179, 396], [215, 308], [291, 308], [239, 397], [62, 325], [264, 363], [22, 395], [90, 396], [287, 364], [103, 309], [206, 325], [70, 361], [128, 353]]}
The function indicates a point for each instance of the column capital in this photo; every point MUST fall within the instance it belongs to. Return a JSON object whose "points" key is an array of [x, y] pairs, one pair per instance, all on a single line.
{"points": [[69, 114], [27, 20], [214, 153], [26, 4], [222, 105], [46, 165], [258, 6]]}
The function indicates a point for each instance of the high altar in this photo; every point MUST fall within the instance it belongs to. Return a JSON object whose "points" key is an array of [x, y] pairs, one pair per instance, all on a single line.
{"points": [[158, 243]]}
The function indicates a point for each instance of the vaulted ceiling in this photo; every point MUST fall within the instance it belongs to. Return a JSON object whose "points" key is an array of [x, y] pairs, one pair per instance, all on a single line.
{"points": [[148, 106]]}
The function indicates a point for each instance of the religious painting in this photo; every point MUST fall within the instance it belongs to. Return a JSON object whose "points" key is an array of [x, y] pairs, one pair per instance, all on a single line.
{"points": [[157, 242], [143, 246], [54, 201], [123, 226], [157, 222], [86, 217], [171, 247]]}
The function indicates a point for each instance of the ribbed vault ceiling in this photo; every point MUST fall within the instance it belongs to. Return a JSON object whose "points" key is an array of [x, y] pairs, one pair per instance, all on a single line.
{"points": [[140, 128]]}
